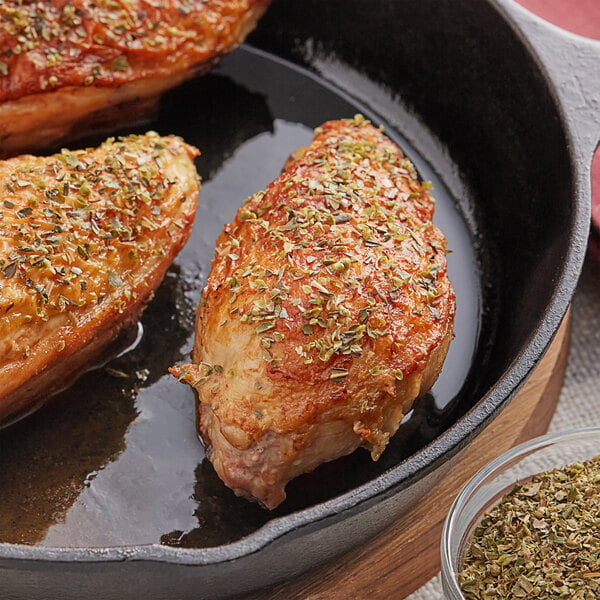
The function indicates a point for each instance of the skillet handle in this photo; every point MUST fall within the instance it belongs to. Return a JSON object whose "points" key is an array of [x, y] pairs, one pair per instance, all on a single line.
{"points": [[573, 64]]}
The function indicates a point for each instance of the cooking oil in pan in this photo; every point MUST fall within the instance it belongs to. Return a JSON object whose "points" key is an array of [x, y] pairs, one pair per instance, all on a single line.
{"points": [[115, 459]]}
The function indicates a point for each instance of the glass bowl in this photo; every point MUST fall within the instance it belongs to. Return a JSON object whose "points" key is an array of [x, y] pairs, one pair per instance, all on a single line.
{"points": [[497, 478]]}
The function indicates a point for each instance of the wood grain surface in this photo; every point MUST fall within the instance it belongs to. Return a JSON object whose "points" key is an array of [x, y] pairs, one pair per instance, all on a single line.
{"points": [[406, 555]]}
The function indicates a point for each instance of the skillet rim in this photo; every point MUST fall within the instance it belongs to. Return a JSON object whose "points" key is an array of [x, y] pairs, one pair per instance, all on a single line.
{"points": [[424, 460]]}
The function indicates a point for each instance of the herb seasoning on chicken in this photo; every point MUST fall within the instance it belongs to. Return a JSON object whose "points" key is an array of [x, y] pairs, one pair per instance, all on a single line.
{"points": [[327, 311], [85, 239], [68, 65]]}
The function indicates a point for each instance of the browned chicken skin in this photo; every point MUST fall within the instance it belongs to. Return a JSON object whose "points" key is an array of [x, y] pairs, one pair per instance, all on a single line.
{"points": [[68, 65], [327, 311], [85, 239]]}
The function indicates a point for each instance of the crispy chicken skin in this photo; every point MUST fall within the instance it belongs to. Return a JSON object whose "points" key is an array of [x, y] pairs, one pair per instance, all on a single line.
{"points": [[85, 239], [68, 65], [327, 311]]}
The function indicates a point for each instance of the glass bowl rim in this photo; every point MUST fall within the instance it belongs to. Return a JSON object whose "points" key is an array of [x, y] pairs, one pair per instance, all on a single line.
{"points": [[449, 579]]}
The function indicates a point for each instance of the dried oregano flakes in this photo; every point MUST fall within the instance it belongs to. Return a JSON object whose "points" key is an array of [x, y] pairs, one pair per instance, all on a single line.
{"points": [[541, 541]]}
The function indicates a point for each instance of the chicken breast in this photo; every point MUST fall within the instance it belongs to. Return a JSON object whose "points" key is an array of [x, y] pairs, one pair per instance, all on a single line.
{"points": [[85, 239], [327, 311], [70, 66]]}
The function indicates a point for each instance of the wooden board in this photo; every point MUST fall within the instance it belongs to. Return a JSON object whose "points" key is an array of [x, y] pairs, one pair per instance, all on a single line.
{"points": [[406, 556]]}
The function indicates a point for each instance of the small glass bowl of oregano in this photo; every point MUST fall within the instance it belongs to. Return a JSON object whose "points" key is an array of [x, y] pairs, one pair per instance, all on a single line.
{"points": [[528, 524]]}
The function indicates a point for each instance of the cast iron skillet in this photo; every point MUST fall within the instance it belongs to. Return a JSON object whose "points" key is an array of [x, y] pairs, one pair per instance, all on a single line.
{"points": [[502, 111]]}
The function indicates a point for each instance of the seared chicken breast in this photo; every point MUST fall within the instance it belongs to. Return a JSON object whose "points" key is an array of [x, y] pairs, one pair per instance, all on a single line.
{"points": [[67, 66], [327, 312], [85, 239]]}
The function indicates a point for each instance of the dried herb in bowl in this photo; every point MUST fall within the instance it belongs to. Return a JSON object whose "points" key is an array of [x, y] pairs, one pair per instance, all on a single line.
{"points": [[541, 541]]}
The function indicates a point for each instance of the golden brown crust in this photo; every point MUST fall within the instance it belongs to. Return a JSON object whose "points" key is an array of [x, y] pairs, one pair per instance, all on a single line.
{"points": [[104, 53], [328, 298], [49, 44], [85, 238]]}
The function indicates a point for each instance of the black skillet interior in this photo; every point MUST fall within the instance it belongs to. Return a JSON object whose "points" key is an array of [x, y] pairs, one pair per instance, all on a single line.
{"points": [[120, 464]]}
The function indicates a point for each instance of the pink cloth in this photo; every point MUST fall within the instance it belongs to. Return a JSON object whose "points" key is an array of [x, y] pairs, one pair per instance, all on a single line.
{"points": [[578, 16]]}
